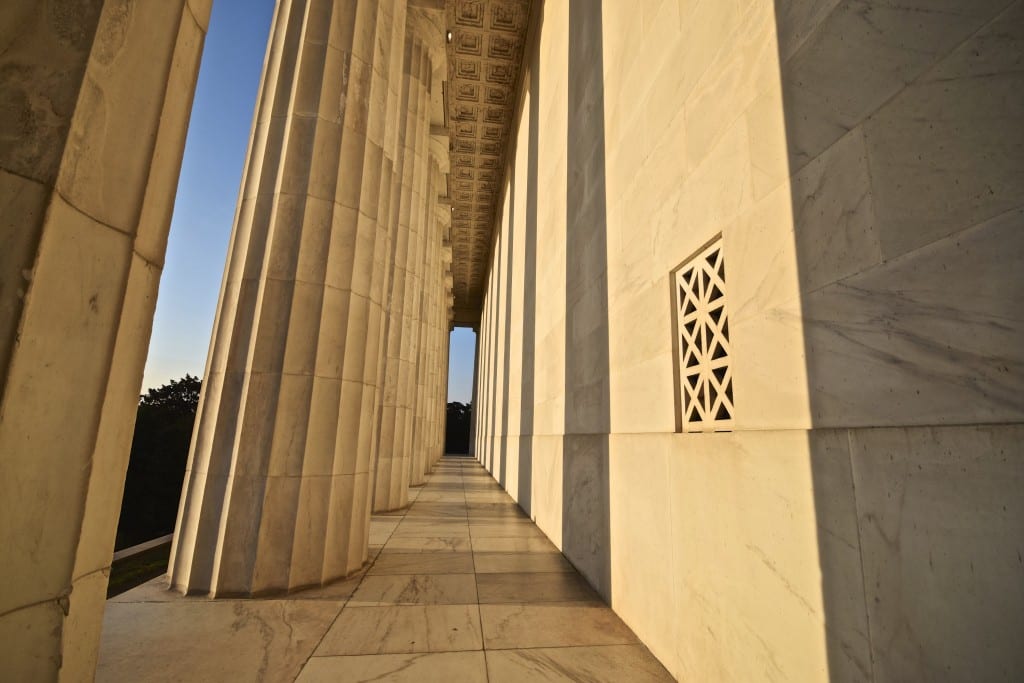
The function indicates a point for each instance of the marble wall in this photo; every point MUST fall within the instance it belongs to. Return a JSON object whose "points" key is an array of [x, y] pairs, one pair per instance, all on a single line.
{"points": [[864, 163]]}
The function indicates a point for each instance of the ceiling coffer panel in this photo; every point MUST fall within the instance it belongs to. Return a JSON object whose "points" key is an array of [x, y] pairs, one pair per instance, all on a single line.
{"points": [[485, 55]]}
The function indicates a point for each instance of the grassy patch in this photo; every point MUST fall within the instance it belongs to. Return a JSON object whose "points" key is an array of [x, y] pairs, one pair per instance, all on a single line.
{"points": [[133, 571]]}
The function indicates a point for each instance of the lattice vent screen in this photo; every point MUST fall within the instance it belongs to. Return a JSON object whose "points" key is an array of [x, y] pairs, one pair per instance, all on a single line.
{"points": [[702, 321]]}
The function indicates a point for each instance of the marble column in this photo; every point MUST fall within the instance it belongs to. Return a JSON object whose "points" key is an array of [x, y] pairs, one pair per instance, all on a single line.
{"points": [[429, 357], [94, 109], [475, 403], [387, 220], [417, 361], [277, 488], [392, 480], [446, 330], [407, 348], [438, 387]]}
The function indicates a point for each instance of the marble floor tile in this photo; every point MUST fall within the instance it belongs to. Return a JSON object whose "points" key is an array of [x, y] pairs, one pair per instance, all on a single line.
{"points": [[188, 640], [338, 590], [601, 664], [512, 545], [415, 589], [438, 511], [385, 522], [527, 588], [429, 544], [507, 529], [421, 563], [379, 538], [497, 563], [428, 529], [442, 667], [442, 497], [460, 569], [403, 629], [528, 626], [483, 512], [155, 590], [486, 497]]}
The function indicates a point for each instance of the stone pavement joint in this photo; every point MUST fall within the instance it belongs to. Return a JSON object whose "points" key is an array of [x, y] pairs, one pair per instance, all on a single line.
{"points": [[460, 586]]}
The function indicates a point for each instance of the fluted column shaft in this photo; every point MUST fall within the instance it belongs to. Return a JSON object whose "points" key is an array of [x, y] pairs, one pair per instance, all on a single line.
{"points": [[427, 358], [96, 100], [417, 360], [392, 479], [277, 487], [474, 400], [391, 189], [437, 384]]}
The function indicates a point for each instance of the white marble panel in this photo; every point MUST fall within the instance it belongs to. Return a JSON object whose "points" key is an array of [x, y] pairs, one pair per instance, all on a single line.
{"points": [[833, 214], [966, 165], [861, 55], [941, 521], [935, 336]]}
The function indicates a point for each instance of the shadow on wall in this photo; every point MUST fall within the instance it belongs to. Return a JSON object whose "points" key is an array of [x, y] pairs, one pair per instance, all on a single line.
{"points": [[585, 511], [510, 236], [493, 299], [907, 184], [526, 416]]}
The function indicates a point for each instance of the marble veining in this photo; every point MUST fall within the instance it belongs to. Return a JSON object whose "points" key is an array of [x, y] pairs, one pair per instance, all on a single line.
{"points": [[468, 608]]}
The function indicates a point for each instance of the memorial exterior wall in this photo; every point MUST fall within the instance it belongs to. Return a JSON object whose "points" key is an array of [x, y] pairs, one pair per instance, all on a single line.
{"points": [[860, 168]]}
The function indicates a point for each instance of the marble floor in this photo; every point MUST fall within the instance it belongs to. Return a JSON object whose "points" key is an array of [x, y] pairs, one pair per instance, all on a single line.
{"points": [[461, 586]]}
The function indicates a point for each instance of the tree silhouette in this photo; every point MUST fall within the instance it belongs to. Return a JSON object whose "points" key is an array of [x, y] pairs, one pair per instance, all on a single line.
{"points": [[163, 432], [180, 395], [457, 430]]}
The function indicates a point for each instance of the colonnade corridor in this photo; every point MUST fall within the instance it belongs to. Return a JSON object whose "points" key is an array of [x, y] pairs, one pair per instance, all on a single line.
{"points": [[460, 586]]}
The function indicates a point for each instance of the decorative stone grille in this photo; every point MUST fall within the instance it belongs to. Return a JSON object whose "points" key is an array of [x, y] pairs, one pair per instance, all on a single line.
{"points": [[702, 323]]}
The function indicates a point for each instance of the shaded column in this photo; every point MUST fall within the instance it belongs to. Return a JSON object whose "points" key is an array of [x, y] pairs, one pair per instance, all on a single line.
{"points": [[277, 486], [94, 110]]}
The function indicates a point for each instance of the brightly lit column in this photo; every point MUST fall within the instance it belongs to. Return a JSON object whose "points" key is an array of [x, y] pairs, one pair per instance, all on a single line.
{"points": [[430, 357], [447, 301], [416, 358], [95, 107], [387, 219], [418, 210], [277, 487], [439, 382], [474, 407], [392, 478]]}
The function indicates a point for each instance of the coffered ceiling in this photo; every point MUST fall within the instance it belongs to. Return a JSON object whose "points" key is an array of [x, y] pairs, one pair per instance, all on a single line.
{"points": [[484, 57]]}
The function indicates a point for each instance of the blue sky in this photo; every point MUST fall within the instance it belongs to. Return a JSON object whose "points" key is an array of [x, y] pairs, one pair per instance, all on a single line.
{"points": [[207, 191]]}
